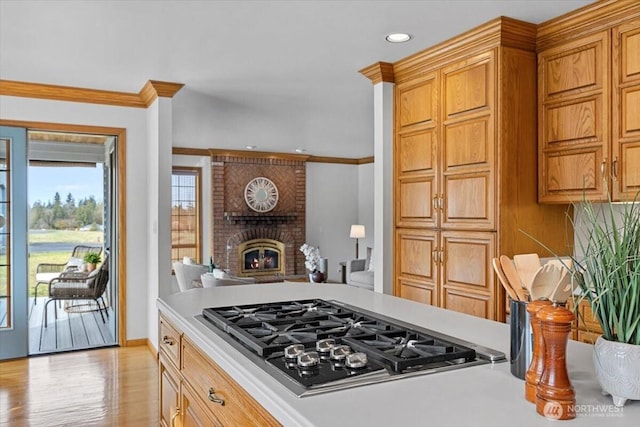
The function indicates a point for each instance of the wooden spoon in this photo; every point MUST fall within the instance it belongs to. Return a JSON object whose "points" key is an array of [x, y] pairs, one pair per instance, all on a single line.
{"points": [[510, 271], [545, 281], [503, 279], [564, 287], [527, 265]]}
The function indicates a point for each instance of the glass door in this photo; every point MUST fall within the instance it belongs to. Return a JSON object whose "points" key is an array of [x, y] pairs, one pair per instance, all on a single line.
{"points": [[13, 243]]}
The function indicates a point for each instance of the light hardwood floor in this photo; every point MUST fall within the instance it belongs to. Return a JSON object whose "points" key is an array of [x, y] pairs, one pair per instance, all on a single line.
{"points": [[103, 387]]}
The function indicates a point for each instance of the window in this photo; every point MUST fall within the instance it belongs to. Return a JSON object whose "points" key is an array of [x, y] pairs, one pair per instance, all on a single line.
{"points": [[5, 236], [186, 201]]}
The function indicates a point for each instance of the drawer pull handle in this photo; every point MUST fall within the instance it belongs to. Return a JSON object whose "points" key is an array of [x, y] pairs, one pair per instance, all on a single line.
{"points": [[166, 340], [212, 397], [173, 419]]}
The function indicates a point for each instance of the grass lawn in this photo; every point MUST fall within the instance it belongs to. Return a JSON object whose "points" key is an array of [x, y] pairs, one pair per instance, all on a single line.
{"points": [[64, 236]]}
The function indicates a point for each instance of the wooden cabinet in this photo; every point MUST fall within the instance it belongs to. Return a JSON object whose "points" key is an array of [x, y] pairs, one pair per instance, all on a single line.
{"points": [[194, 391], [464, 167], [169, 383], [589, 104], [586, 327]]}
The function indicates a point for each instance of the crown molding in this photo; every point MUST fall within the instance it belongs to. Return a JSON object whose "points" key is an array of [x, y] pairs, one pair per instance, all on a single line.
{"points": [[149, 92], [186, 151], [155, 88], [379, 72], [589, 19]]}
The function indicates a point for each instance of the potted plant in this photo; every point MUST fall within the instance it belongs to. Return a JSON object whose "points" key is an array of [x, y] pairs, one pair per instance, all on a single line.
{"points": [[608, 276], [91, 259], [312, 262]]}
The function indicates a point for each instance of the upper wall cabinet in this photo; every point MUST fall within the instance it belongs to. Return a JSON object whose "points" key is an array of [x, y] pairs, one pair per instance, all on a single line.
{"points": [[589, 105]]}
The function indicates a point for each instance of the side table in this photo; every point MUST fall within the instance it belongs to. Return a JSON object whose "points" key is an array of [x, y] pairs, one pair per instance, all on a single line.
{"points": [[342, 269]]}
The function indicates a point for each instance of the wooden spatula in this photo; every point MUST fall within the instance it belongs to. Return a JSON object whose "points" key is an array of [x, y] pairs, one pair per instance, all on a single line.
{"points": [[527, 265], [564, 287], [495, 262], [510, 271], [545, 281]]}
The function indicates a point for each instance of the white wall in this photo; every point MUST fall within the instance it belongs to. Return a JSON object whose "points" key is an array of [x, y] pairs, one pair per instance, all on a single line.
{"points": [[134, 121], [332, 206], [366, 213]]}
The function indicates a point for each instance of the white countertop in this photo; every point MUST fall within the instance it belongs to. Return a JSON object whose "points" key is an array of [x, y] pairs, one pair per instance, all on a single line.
{"points": [[474, 396]]}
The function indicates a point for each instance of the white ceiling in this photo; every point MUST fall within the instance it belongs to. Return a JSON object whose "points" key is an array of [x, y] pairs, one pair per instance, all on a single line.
{"points": [[290, 68]]}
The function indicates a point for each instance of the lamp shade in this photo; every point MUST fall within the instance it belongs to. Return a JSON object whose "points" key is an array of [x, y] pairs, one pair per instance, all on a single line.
{"points": [[357, 231]]}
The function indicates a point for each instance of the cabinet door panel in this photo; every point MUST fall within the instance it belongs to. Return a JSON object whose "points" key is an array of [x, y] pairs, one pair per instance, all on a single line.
{"points": [[578, 122], [467, 89], [417, 102], [629, 56], [574, 68], [467, 144], [630, 111], [630, 169], [415, 263], [467, 277], [418, 292], [416, 152], [574, 171], [414, 206], [169, 393], [468, 201], [475, 305], [626, 111]]}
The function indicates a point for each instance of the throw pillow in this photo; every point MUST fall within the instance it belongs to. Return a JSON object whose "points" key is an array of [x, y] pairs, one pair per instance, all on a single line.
{"points": [[368, 259], [74, 263], [370, 268]]}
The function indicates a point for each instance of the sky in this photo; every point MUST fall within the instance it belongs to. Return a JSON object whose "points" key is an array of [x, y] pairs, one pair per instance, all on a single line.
{"points": [[81, 182]]}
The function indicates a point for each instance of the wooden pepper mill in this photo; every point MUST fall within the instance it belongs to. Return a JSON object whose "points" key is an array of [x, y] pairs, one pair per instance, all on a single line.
{"points": [[534, 373], [555, 397]]}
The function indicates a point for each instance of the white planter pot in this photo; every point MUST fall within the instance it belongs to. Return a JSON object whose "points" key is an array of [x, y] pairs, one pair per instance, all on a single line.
{"points": [[617, 369]]}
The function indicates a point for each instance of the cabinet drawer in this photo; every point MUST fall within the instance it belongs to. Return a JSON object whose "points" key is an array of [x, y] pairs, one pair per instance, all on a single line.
{"points": [[234, 407], [192, 413], [588, 321], [588, 337], [169, 341]]}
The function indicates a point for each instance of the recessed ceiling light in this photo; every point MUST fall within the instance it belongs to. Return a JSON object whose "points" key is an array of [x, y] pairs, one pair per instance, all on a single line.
{"points": [[398, 38], [300, 150], [250, 147]]}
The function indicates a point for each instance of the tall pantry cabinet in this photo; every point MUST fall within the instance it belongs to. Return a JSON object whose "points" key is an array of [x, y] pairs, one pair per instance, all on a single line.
{"points": [[465, 180]]}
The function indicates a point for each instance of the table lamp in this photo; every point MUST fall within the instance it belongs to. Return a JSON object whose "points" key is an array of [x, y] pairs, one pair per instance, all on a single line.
{"points": [[357, 232]]}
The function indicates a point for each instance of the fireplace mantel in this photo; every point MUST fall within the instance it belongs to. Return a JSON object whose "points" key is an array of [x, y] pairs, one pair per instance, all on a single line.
{"points": [[262, 218]]}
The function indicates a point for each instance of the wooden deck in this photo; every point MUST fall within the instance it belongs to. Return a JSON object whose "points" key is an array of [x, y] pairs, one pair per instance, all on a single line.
{"points": [[71, 331]]}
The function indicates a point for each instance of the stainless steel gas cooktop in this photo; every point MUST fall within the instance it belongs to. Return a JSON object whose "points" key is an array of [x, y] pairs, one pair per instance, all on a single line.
{"points": [[316, 346]]}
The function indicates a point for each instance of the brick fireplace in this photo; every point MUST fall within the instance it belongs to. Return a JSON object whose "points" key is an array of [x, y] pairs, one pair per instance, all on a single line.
{"points": [[234, 223]]}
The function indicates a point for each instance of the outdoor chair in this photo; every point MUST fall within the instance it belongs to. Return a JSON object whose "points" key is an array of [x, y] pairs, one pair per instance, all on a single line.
{"points": [[46, 272], [74, 286]]}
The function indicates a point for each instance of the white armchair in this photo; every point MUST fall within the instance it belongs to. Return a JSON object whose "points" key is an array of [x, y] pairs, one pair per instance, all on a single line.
{"points": [[360, 272], [222, 278], [188, 275]]}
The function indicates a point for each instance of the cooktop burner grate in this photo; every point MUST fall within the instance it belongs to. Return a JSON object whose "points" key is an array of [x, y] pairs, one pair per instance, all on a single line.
{"points": [[315, 345]]}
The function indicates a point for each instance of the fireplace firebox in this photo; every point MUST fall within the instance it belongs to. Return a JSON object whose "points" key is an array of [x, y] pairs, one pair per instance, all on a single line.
{"points": [[260, 257]]}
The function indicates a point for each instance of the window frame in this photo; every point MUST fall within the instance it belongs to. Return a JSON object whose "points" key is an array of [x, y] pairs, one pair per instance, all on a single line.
{"points": [[197, 173]]}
